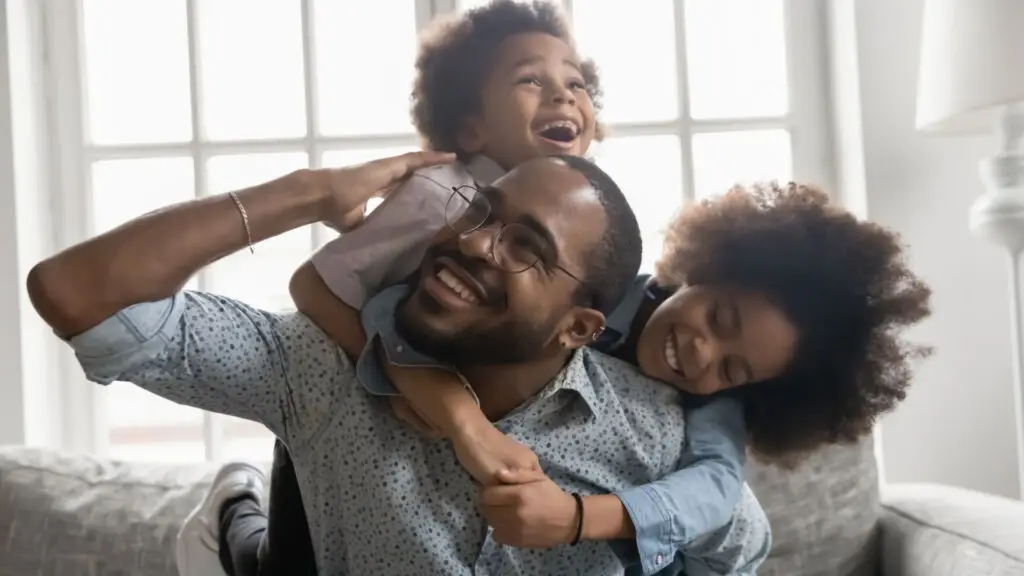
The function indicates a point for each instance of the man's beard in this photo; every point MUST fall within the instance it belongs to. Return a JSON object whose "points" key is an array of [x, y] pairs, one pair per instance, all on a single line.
{"points": [[511, 343]]}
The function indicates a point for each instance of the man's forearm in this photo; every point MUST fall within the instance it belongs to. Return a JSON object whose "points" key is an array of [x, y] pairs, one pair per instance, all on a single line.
{"points": [[153, 256]]}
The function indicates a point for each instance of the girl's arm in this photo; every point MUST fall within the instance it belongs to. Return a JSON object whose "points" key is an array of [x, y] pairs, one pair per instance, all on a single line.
{"points": [[436, 395]]}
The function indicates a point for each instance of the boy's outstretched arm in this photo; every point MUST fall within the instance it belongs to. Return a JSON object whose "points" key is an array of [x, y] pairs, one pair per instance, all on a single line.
{"points": [[339, 320]]}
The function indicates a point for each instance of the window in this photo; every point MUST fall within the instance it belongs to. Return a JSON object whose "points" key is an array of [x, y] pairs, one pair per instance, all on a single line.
{"points": [[167, 100]]}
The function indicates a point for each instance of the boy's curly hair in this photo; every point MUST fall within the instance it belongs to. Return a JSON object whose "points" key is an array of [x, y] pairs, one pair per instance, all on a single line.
{"points": [[456, 55], [845, 285]]}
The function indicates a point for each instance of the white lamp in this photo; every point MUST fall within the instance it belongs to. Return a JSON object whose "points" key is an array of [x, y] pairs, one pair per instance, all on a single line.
{"points": [[972, 81]]}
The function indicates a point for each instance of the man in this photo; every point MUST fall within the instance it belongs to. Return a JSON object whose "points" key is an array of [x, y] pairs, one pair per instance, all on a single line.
{"points": [[380, 498]]}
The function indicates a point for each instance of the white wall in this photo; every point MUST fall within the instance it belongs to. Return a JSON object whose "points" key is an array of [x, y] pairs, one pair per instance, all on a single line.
{"points": [[956, 426]]}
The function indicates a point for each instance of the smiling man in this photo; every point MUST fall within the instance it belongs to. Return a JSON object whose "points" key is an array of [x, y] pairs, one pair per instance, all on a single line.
{"points": [[510, 302]]}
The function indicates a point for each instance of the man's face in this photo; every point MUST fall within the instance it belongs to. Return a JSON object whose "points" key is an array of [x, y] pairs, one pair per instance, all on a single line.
{"points": [[466, 309]]}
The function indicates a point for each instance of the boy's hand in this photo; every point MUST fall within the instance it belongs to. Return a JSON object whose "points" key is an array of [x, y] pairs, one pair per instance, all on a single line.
{"points": [[407, 414], [486, 453], [346, 190], [535, 514]]}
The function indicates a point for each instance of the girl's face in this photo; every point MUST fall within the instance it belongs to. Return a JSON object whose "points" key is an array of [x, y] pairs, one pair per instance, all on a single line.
{"points": [[705, 339]]}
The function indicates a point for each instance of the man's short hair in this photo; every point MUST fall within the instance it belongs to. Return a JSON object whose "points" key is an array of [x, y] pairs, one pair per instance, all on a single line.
{"points": [[612, 264]]}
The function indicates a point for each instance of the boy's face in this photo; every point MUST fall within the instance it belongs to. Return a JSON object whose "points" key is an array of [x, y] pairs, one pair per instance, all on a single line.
{"points": [[534, 103], [705, 339]]}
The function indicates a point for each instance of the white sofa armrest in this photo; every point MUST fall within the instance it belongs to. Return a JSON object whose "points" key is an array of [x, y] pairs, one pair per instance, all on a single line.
{"points": [[931, 530]]}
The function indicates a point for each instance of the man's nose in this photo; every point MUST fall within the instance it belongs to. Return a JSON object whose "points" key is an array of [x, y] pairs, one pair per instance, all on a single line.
{"points": [[479, 243]]}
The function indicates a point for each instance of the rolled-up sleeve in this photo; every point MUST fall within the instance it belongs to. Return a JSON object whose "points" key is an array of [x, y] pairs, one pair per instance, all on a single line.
{"points": [[217, 354], [737, 548], [671, 512]]}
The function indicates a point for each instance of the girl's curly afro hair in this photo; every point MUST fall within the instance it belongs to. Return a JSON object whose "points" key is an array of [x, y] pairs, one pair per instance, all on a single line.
{"points": [[845, 285]]}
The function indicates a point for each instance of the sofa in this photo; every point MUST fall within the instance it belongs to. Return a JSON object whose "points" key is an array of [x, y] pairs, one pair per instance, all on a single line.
{"points": [[71, 515]]}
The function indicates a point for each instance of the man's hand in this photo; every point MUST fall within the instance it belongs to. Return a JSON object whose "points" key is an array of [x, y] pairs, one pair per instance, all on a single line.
{"points": [[347, 189], [535, 513], [485, 453]]}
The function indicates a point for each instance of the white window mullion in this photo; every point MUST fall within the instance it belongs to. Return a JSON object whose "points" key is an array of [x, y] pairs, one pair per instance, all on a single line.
{"points": [[213, 437], [83, 416], [807, 73], [317, 232], [683, 95]]}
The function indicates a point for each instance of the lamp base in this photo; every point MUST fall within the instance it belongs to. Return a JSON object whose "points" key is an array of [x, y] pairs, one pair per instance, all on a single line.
{"points": [[998, 216]]}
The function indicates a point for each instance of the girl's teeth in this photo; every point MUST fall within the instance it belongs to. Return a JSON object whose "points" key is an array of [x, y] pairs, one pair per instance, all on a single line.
{"points": [[670, 354], [457, 286]]}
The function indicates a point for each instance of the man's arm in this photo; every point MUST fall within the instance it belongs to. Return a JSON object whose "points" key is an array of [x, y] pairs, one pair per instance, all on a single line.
{"points": [[152, 257]]}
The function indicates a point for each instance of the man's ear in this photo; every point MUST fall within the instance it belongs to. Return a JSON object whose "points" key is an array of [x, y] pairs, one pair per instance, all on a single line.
{"points": [[470, 137], [582, 326]]}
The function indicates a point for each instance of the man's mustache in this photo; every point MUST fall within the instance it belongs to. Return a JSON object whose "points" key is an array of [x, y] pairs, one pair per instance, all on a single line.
{"points": [[486, 275]]}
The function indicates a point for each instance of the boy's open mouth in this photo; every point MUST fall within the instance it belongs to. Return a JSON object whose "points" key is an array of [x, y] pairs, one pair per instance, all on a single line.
{"points": [[559, 132]]}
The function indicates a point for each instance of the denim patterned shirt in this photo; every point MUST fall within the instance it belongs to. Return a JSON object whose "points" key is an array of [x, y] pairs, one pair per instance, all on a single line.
{"points": [[381, 499], [668, 513]]}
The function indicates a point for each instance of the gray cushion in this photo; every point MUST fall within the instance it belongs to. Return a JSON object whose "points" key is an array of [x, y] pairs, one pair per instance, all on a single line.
{"points": [[824, 514], [67, 515]]}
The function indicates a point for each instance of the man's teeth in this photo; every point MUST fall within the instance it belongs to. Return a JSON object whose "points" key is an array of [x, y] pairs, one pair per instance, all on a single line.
{"points": [[457, 286], [670, 354]]}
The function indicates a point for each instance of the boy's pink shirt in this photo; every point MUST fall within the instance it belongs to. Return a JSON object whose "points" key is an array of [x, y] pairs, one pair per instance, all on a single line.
{"points": [[391, 243]]}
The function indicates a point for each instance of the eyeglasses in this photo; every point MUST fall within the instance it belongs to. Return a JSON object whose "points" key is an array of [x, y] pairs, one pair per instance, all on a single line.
{"points": [[515, 247]]}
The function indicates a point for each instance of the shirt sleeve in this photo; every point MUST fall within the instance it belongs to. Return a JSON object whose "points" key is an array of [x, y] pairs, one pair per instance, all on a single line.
{"points": [[737, 548], [388, 245], [217, 354], [700, 497]]}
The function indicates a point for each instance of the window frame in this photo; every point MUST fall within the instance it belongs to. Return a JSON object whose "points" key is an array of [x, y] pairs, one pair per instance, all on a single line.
{"points": [[85, 422]]}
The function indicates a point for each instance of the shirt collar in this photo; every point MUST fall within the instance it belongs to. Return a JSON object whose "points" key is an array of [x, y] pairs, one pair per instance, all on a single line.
{"points": [[575, 378]]}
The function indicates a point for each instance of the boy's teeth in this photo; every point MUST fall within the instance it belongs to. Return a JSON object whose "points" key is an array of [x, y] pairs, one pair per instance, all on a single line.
{"points": [[670, 354], [559, 124], [457, 286]]}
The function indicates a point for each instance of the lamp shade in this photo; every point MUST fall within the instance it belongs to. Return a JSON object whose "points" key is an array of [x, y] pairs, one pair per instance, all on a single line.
{"points": [[972, 64]]}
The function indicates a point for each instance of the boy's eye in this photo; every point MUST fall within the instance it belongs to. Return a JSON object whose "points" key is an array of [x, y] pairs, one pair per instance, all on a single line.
{"points": [[530, 80], [578, 85]]}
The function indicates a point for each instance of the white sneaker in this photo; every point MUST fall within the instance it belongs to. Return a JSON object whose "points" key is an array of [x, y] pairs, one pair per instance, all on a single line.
{"points": [[198, 540]]}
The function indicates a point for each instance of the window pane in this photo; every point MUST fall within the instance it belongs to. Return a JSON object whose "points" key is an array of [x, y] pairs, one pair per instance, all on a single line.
{"points": [[260, 278], [358, 93], [736, 57], [246, 440], [636, 54], [136, 70], [648, 169], [339, 158], [125, 189], [723, 159], [251, 63]]}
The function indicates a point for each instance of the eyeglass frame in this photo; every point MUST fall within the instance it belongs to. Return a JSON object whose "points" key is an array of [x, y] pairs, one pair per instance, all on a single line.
{"points": [[498, 234]]}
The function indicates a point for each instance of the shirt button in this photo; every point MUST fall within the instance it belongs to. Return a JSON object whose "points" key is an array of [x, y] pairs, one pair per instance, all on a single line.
{"points": [[659, 559], [399, 348]]}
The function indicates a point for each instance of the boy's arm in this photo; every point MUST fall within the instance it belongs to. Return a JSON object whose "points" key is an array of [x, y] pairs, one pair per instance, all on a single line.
{"points": [[440, 398], [339, 320]]}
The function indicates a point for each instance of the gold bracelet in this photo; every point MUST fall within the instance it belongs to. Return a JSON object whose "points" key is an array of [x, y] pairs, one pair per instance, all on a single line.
{"points": [[245, 220]]}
